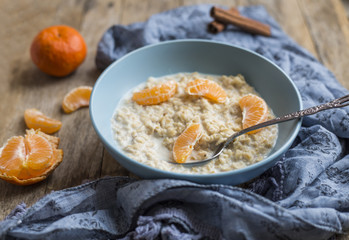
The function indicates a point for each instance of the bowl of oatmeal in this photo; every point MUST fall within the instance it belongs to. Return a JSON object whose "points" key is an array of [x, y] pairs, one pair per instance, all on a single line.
{"points": [[176, 101]]}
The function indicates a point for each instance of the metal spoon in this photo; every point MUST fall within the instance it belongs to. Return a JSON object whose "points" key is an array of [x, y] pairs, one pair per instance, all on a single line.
{"points": [[337, 103]]}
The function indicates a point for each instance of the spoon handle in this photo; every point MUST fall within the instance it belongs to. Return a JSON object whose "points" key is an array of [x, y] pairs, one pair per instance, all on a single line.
{"points": [[337, 103]]}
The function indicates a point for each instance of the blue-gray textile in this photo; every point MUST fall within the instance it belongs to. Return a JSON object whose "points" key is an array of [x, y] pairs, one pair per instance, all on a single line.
{"points": [[304, 196]]}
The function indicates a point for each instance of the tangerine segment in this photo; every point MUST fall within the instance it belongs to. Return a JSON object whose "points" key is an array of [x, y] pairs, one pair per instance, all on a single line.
{"points": [[254, 111], [185, 142], [77, 98], [155, 95], [27, 160], [39, 152], [37, 120], [54, 141], [206, 88], [12, 156]]}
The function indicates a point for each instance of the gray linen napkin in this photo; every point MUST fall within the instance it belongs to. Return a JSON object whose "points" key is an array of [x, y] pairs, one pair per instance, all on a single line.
{"points": [[304, 196]]}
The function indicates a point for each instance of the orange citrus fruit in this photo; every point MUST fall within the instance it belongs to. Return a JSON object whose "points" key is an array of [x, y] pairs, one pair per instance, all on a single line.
{"points": [[155, 95], [206, 88], [254, 111], [186, 141], [37, 120], [77, 98], [58, 50], [30, 159]]}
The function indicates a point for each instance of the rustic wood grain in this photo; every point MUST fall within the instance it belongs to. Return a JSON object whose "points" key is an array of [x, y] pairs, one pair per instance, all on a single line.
{"points": [[83, 151], [342, 17], [137, 11], [27, 87], [226, 3], [22, 85], [292, 22], [324, 20], [319, 26], [346, 6]]}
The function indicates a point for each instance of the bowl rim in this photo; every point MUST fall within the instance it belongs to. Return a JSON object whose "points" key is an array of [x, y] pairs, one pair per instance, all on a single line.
{"points": [[248, 168]]}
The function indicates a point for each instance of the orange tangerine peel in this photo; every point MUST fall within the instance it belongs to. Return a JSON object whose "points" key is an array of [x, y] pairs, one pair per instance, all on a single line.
{"points": [[29, 159]]}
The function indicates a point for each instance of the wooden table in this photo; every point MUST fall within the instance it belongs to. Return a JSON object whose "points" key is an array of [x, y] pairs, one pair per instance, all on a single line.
{"points": [[320, 26]]}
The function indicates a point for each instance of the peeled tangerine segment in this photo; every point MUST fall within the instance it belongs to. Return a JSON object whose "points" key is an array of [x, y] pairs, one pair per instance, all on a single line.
{"points": [[207, 89], [30, 159], [39, 152], [12, 156], [254, 111], [37, 120], [185, 142], [77, 98], [155, 95]]}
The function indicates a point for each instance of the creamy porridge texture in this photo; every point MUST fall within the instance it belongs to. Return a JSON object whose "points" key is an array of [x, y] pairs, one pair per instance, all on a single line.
{"points": [[147, 133]]}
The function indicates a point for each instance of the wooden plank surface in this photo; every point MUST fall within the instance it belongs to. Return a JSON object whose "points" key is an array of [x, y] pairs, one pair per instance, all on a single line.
{"points": [[320, 26], [290, 21], [326, 22]]}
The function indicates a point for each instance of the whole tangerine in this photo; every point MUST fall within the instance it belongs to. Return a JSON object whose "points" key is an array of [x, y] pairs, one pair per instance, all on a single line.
{"points": [[58, 50]]}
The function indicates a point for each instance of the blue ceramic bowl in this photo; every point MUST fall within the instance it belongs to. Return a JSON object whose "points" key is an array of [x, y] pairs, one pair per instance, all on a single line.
{"points": [[195, 56]]}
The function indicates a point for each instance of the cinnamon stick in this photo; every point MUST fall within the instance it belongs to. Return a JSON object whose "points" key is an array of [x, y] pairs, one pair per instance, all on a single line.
{"points": [[216, 26], [244, 23]]}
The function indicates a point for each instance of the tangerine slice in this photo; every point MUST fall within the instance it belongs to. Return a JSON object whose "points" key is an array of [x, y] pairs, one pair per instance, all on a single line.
{"points": [[254, 111], [37, 120], [206, 88], [39, 152], [155, 95], [186, 141], [77, 98], [12, 156], [30, 159]]}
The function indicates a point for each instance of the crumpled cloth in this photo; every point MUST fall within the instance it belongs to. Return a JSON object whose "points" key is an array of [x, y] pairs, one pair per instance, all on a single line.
{"points": [[304, 196]]}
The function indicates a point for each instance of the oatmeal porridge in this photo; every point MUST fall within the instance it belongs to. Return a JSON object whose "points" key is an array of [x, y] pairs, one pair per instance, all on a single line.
{"points": [[147, 133]]}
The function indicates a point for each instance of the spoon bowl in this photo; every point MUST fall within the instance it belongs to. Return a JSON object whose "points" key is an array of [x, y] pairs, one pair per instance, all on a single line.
{"points": [[336, 103]]}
